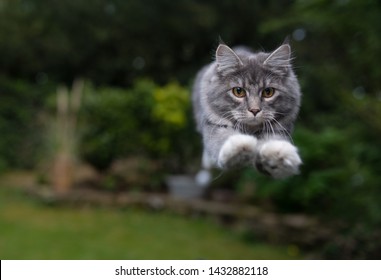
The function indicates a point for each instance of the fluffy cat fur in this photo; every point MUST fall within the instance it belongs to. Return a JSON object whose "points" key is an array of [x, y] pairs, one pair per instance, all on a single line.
{"points": [[245, 105]]}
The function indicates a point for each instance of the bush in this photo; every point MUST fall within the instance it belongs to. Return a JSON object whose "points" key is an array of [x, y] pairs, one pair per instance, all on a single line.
{"points": [[113, 120], [146, 119], [20, 123]]}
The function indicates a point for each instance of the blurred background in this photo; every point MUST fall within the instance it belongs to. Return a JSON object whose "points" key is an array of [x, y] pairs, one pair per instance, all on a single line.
{"points": [[95, 107]]}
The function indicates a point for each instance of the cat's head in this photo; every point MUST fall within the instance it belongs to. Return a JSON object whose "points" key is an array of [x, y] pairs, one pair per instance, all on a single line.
{"points": [[257, 89]]}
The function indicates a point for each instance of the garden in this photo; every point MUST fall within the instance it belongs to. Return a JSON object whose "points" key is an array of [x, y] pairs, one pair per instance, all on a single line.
{"points": [[95, 116]]}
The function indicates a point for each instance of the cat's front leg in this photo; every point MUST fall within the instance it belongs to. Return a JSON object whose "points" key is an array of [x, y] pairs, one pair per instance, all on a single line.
{"points": [[278, 158], [237, 150]]}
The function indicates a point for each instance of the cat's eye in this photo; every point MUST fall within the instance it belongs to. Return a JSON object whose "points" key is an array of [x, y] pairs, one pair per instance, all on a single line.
{"points": [[268, 92], [238, 92]]}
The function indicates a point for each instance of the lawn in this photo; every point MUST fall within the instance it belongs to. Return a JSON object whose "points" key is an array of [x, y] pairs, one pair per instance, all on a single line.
{"points": [[31, 230]]}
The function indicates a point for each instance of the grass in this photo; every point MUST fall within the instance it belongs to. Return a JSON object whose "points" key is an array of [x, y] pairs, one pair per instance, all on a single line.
{"points": [[30, 230]]}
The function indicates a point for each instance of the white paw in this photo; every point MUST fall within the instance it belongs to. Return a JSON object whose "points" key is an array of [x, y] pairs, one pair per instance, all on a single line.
{"points": [[278, 158], [237, 150]]}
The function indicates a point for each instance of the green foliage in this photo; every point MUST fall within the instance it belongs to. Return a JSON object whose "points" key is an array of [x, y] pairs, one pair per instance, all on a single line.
{"points": [[146, 119], [20, 116], [170, 104], [112, 42], [113, 120], [336, 180]]}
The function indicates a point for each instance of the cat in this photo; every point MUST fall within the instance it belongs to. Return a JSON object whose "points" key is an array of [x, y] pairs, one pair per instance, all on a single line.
{"points": [[245, 104]]}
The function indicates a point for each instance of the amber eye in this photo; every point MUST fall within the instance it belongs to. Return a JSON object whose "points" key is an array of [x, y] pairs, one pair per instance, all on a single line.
{"points": [[239, 92], [268, 92]]}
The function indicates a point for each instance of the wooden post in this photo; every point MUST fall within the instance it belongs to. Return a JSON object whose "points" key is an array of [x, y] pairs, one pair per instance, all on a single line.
{"points": [[68, 105]]}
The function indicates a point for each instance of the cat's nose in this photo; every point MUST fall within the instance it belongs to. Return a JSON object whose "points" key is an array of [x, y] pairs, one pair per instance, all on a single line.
{"points": [[255, 111]]}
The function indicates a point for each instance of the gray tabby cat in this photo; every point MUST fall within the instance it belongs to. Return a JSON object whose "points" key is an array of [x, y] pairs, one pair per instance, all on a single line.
{"points": [[245, 105]]}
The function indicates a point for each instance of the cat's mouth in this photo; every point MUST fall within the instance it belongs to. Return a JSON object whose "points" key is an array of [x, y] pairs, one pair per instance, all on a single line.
{"points": [[253, 121]]}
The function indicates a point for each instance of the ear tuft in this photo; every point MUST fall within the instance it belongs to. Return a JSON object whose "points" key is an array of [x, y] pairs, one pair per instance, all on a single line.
{"points": [[280, 59], [227, 60]]}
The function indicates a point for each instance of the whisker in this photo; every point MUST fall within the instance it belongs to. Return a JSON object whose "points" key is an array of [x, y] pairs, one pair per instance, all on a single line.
{"points": [[283, 130], [227, 116]]}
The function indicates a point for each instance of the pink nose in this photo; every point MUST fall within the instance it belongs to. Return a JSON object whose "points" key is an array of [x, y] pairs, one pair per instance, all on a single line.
{"points": [[255, 111]]}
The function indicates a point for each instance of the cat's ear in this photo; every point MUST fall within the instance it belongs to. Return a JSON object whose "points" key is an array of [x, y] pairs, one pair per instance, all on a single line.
{"points": [[280, 59], [227, 60]]}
